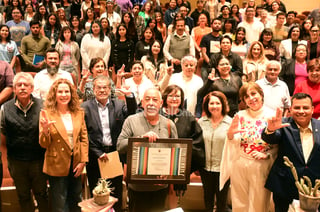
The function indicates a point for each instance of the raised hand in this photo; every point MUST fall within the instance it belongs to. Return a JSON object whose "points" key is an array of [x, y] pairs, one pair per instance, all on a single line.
{"points": [[212, 75], [45, 122], [275, 122], [234, 127]]}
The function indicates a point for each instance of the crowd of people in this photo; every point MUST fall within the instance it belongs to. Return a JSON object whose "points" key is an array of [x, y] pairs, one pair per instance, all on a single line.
{"points": [[79, 78]]}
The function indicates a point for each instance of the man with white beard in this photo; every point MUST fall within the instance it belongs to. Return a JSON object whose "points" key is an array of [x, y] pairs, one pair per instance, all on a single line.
{"points": [[147, 124], [45, 78]]}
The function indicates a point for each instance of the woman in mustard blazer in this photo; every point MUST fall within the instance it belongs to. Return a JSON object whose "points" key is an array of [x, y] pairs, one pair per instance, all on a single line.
{"points": [[63, 133]]}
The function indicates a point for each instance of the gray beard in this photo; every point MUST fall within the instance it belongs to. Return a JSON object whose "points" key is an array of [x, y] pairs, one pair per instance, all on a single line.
{"points": [[52, 70]]}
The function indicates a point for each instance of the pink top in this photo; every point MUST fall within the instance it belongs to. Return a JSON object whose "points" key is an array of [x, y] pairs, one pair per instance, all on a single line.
{"points": [[300, 72]]}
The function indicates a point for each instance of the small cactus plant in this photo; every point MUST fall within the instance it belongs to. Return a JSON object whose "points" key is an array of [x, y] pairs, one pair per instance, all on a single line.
{"points": [[101, 192], [304, 185]]}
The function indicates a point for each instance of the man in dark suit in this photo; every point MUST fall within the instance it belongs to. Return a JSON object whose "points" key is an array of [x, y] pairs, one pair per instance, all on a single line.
{"points": [[104, 119], [299, 139]]}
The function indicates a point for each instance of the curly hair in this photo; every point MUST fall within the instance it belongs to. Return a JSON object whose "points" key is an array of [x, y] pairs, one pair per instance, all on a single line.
{"points": [[51, 100]]}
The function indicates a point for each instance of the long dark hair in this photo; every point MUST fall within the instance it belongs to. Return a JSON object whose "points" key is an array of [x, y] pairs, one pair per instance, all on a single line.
{"points": [[8, 39], [61, 36], [57, 25], [101, 34], [38, 15], [117, 32], [131, 29], [242, 29], [160, 59], [264, 32]]}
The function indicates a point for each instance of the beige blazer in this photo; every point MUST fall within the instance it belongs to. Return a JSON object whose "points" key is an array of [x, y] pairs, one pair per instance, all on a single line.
{"points": [[58, 154]]}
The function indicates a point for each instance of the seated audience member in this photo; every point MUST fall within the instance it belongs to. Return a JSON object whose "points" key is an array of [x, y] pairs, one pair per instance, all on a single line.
{"points": [[188, 81], [224, 80], [210, 44], [271, 51], [178, 45], [314, 43], [251, 25], [138, 83], [20, 136], [295, 70], [287, 46], [234, 59], [147, 124], [254, 65], [45, 78], [97, 67], [276, 91], [311, 85], [34, 45]]}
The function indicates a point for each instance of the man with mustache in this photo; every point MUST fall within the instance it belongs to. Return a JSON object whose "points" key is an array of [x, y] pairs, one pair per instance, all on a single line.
{"points": [[147, 124], [45, 78], [20, 135], [104, 117]]}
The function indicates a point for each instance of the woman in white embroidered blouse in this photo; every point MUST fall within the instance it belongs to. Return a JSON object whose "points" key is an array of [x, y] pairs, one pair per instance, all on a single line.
{"points": [[253, 158]]}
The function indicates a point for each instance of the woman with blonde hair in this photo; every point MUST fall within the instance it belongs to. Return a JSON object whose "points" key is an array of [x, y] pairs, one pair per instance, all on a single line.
{"points": [[63, 134], [254, 65]]}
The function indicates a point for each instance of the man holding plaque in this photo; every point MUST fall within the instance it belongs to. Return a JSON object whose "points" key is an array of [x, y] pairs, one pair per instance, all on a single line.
{"points": [[104, 117], [147, 124]]}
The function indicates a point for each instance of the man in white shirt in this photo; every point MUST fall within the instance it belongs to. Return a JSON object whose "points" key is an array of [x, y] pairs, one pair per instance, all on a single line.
{"points": [[276, 92], [253, 27], [113, 17], [45, 78]]}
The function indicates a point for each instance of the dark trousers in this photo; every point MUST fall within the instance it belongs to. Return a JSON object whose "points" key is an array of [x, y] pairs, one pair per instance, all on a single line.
{"points": [[210, 181], [65, 192], [147, 201], [27, 176], [281, 204], [93, 174]]}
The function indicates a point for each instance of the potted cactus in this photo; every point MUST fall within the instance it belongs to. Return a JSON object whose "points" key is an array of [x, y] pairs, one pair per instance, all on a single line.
{"points": [[309, 197], [101, 192]]}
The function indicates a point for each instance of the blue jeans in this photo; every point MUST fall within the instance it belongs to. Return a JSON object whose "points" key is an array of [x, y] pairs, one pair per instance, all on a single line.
{"points": [[65, 193]]}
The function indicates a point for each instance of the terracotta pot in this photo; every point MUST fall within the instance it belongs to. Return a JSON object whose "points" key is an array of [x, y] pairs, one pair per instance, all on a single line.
{"points": [[309, 203], [101, 199]]}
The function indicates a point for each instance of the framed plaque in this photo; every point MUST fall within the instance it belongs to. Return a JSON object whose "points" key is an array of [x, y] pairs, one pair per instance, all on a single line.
{"points": [[166, 161]]}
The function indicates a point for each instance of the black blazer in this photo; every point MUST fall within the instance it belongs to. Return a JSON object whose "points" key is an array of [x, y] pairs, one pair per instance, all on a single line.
{"points": [[118, 112], [280, 179], [288, 75]]}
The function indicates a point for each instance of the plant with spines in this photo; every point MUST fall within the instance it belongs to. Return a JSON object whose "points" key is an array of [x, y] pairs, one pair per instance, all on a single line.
{"points": [[304, 185], [103, 187]]}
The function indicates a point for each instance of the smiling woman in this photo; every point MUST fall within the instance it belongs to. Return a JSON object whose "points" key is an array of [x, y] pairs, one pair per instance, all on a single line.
{"points": [[311, 86], [63, 134], [253, 159]]}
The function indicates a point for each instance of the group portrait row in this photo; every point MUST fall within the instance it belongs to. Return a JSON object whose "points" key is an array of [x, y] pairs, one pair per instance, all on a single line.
{"points": [[80, 79]]}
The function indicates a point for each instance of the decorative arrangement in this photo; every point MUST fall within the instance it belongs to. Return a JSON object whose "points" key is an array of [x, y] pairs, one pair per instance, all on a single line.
{"points": [[309, 197], [101, 192]]}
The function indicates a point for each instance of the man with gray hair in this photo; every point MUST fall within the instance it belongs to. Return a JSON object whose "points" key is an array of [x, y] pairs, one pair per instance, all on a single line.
{"points": [[147, 124], [188, 81], [45, 78], [276, 92], [20, 136]]}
